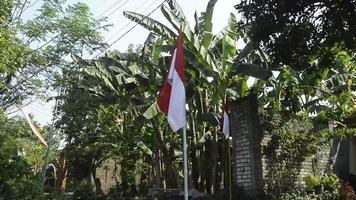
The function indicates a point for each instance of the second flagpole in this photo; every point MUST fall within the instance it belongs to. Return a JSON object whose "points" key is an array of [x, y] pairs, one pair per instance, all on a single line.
{"points": [[185, 163]]}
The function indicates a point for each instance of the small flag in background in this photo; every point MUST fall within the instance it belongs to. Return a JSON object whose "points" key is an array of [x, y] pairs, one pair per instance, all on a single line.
{"points": [[171, 99], [225, 121]]}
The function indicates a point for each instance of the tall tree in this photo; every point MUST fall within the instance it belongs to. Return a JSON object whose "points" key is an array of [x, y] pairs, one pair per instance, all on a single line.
{"points": [[21, 157], [37, 48], [311, 44], [310, 47], [292, 32]]}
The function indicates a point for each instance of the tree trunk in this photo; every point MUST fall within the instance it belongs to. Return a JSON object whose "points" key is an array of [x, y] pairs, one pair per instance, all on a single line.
{"points": [[62, 172], [169, 175], [214, 163], [156, 162], [194, 156]]}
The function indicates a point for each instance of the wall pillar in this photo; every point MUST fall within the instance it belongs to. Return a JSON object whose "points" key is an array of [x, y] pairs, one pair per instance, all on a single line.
{"points": [[246, 143]]}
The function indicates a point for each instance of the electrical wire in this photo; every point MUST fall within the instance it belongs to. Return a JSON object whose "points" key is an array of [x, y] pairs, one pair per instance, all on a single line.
{"points": [[124, 34], [34, 3], [39, 111], [130, 21], [44, 108], [102, 51], [117, 8], [109, 8]]}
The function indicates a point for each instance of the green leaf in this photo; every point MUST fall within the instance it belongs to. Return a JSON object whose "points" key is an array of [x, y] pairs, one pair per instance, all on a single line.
{"points": [[150, 24], [144, 148], [101, 73], [208, 15], [242, 87], [230, 32], [152, 111], [245, 51], [191, 41], [207, 37], [211, 118], [177, 21], [208, 25], [251, 69]]}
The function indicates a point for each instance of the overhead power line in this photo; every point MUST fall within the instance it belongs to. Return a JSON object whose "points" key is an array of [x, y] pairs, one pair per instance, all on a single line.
{"points": [[20, 82], [124, 34], [130, 21], [110, 7], [34, 3], [117, 8], [39, 111]]}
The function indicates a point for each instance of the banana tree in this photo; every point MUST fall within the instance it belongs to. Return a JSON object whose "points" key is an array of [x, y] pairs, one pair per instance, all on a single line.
{"points": [[214, 65], [129, 82]]}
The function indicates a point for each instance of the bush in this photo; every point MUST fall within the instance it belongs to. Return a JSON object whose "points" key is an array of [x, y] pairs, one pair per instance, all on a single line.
{"points": [[84, 191], [331, 189]]}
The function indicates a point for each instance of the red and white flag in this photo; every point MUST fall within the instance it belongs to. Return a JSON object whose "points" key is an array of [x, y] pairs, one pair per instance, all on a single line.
{"points": [[171, 99], [225, 122]]}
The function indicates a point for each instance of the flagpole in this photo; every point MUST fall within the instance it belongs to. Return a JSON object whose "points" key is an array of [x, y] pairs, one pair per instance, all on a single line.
{"points": [[185, 163], [229, 160]]}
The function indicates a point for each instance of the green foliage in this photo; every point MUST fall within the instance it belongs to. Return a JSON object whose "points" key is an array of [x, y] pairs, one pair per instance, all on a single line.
{"points": [[311, 181], [20, 160], [293, 33], [101, 116], [101, 107], [84, 191], [306, 43], [327, 182], [57, 31], [10, 47], [329, 195], [327, 187], [289, 144]]}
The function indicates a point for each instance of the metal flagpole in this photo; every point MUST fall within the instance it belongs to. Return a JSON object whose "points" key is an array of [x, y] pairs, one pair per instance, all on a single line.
{"points": [[185, 163], [229, 159]]}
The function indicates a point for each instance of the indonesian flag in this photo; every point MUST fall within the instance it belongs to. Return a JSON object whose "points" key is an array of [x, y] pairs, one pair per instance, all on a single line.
{"points": [[225, 122], [171, 98]]}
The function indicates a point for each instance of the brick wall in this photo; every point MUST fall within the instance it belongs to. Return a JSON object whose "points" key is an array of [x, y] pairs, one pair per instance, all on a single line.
{"points": [[248, 162], [315, 165], [107, 174]]}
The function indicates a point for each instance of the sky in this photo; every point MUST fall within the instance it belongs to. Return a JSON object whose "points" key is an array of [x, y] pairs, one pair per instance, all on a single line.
{"points": [[113, 10]]}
